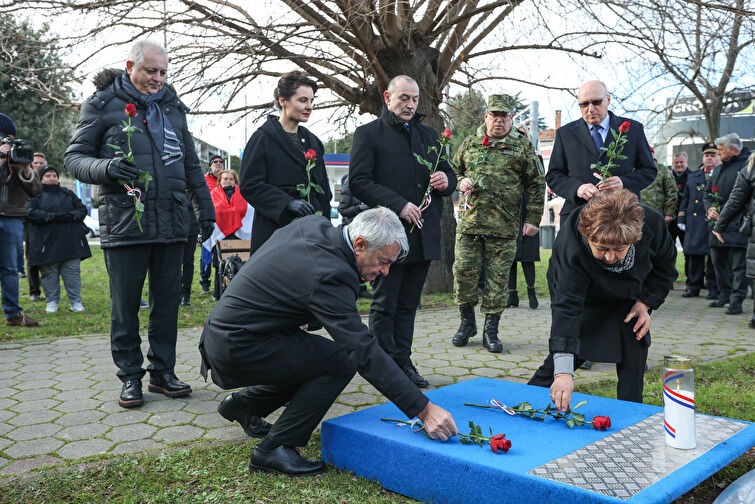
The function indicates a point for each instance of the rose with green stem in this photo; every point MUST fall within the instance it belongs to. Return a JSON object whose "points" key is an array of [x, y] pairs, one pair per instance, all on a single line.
{"points": [[440, 154], [306, 189], [481, 156], [613, 153], [475, 436], [526, 409]]}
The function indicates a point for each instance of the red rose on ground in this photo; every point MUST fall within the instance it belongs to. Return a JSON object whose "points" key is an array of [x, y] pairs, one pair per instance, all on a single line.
{"points": [[446, 134], [601, 422], [714, 188], [499, 442], [678, 186], [624, 126], [311, 154], [486, 142], [130, 110]]}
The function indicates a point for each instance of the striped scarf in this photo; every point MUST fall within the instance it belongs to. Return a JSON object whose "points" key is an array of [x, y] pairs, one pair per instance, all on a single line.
{"points": [[159, 126]]}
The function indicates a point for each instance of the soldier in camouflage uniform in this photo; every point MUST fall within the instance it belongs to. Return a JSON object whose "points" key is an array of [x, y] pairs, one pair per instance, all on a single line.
{"points": [[662, 194], [493, 167]]}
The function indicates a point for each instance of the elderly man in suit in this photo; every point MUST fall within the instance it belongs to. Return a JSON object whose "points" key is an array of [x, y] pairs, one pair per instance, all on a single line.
{"points": [[577, 147]]}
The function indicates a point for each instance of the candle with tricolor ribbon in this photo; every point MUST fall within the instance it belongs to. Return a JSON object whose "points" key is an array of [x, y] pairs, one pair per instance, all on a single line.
{"points": [[679, 402]]}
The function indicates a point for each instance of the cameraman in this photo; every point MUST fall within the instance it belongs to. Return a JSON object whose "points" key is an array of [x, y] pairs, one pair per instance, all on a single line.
{"points": [[18, 182]]}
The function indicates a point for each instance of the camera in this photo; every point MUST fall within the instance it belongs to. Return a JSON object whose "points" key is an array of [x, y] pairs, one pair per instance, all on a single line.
{"points": [[19, 152]]}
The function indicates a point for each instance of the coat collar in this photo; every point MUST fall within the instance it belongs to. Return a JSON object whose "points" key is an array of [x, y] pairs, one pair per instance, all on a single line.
{"points": [[393, 120], [582, 133], [276, 132]]}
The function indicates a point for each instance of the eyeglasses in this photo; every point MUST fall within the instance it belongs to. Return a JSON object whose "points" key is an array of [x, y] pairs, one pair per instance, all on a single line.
{"points": [[218, 161], [594, 103]]}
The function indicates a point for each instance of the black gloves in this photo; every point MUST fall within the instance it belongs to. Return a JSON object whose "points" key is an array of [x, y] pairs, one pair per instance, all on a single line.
{"points": [[300, 207], [207, 227], [120, 168]]}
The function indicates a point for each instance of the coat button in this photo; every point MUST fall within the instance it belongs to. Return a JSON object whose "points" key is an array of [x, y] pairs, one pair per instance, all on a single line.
{"points": [[419, 186]]}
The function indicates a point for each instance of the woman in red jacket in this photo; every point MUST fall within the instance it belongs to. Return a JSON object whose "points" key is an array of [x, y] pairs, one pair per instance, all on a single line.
{"points": [[230, 206]]}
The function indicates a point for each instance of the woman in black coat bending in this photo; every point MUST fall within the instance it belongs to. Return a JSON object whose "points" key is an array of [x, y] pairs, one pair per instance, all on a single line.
{"points": [[274, 178], [57, 239], [613, 263]]}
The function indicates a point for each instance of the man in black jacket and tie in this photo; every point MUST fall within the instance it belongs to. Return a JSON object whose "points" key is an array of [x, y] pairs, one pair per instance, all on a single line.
{"points": [[383, 171], [306, 274], [577, 146]]}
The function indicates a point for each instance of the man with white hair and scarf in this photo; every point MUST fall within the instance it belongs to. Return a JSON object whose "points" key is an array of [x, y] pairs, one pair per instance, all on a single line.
{"points": [[144, 176]]}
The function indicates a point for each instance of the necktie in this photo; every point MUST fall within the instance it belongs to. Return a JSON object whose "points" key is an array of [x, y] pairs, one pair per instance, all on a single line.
{"points": [[596, 137]]}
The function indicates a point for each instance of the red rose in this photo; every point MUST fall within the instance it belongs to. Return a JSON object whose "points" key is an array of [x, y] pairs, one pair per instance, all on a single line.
{"points": [[678, 186], [486, 142], [601, 422], [499, 442], [130, 110], [714, 188], [311, 154], [446, 134], [707, 170], [625, 126]]}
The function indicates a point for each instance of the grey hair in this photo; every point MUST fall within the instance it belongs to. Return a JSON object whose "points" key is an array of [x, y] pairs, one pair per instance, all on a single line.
{"points": [[682, 154], [394, 82], [379, 227], [730, 140], [136, 53]]}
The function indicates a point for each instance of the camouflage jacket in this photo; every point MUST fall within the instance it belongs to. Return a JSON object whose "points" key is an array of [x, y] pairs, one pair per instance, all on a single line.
{"points": [[662, 194], [507, 168]]}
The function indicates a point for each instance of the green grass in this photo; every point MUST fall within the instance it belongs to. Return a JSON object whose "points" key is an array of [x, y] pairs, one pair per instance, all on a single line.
{"points": [[202, 473]]}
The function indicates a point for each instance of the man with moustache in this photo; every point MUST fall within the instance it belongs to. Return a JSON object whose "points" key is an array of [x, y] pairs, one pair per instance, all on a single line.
{"points": [[383, 171]]}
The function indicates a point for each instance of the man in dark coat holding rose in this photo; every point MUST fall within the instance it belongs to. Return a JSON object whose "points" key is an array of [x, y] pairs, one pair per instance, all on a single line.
{"points": [[306, 276], [383, 171]]}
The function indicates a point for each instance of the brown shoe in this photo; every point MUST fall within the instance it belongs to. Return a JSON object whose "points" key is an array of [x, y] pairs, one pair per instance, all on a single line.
{"points": [[22, 320]]}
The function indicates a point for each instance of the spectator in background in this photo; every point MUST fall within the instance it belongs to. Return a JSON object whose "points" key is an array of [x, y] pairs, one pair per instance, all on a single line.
{"points": [[18, 182], [349, 207], [57, 239], [681, 173], [33, 277], [205, 262], [230, 209]]}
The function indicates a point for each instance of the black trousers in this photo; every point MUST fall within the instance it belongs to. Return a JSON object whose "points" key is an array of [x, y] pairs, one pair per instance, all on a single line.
{"points": [[729, 264], [33, 271], [528, 268], [394, 305], [187, 265], [700, 273], [675, 232], [630, 370], [305, 370], [127, 268]]}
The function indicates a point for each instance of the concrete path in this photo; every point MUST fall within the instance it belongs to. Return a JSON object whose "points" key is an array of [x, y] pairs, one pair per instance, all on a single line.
{"points": [[58, 397]]}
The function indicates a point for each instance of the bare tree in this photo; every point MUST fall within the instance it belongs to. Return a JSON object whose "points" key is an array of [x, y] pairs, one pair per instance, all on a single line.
{"points": [[704, 48], [219, 48]]}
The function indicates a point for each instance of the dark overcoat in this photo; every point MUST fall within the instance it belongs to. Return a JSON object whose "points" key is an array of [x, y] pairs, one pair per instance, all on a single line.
{"points": [[722, 178], [306, 273], [692, 215], [166, 205], [384, 171], [57, 232], [589, 303], [348, 206], [574, 151], [742, 198], [271, 169], [527, 247]]}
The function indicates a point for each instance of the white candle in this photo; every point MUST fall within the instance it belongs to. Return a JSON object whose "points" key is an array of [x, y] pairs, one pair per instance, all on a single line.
{"points": [[679, 418]]}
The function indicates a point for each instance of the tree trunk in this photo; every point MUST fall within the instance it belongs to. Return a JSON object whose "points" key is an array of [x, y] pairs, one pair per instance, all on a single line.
{"points": [[713, 107]]}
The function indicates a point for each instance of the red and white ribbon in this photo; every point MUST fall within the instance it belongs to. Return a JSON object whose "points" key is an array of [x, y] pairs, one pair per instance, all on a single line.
{"points": [[503, 407], [425, 204], [466, 205], [133, 191]]}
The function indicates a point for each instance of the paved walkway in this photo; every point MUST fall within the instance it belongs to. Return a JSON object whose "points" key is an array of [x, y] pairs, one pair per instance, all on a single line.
{"points": [[58, 397]]}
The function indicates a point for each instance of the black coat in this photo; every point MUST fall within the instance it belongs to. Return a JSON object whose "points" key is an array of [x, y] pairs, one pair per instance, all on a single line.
{"points": [[692, 215], [166, 209], [681, 182], [349, 207], [723, 178], [589, 303], [742, 198], [56, 231], [527, 247], [305, 273], [574, 151], [383, 171], [271, 169]]}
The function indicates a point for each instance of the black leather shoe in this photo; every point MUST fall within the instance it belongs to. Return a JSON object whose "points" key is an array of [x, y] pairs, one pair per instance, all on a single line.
{"points": [[586, 365], [752, 323], [691, 293], [467, 328], [734, 309], [169, 385], [284, 460], [719, 303], [712, 295], [490, 334], [232, 410], [131, 394], [411, 372], [513, 299], [185, 300], [532, 295]]}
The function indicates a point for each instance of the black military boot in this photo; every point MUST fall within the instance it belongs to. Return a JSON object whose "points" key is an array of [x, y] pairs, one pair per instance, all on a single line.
{"points": [[490, 333], [533, 297], [467, 328], [513, 299]]}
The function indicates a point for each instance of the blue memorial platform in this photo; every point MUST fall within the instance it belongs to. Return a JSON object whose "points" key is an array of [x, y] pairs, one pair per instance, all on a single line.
{"points": [[548, 462]]}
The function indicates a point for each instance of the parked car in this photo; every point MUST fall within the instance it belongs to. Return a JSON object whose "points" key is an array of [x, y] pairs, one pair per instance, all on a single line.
{"points": [[92, 221]]}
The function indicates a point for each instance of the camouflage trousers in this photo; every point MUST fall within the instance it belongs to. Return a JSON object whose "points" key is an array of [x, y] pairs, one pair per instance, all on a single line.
{"points": [[498, 254]]}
